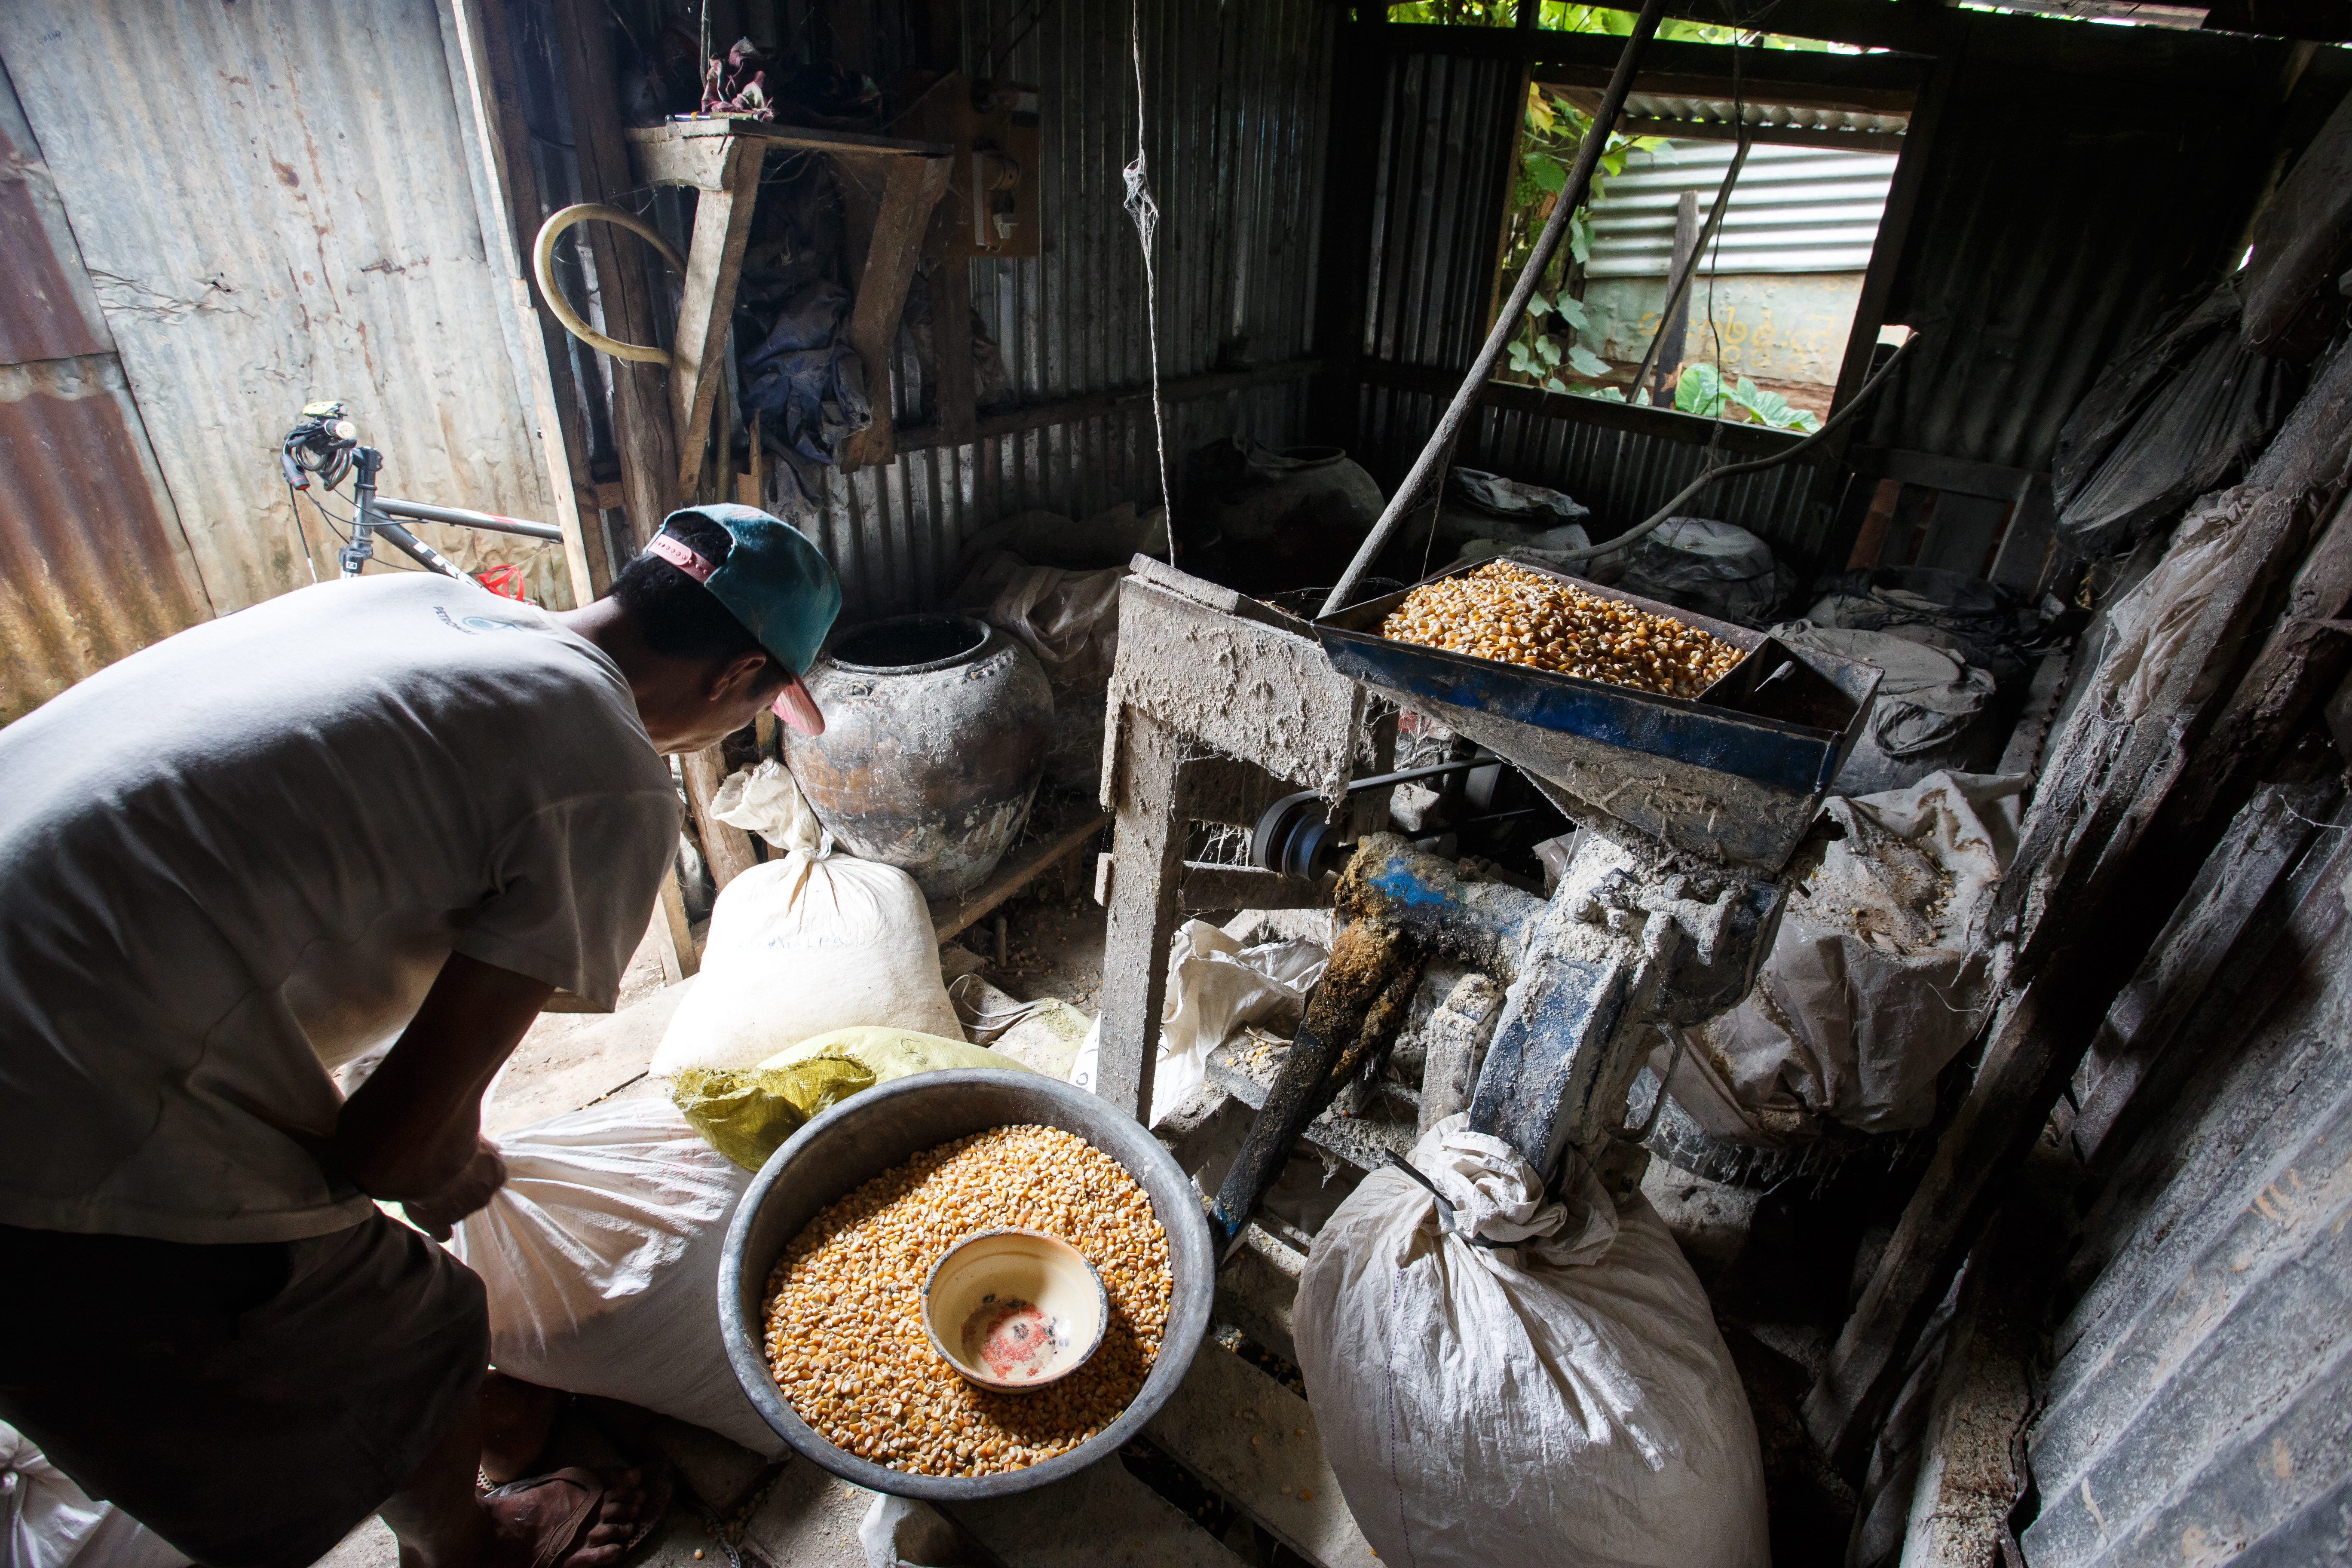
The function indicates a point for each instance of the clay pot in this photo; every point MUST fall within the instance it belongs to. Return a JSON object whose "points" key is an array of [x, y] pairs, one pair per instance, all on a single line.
{"points": [[1289, 517], [934, 734]]}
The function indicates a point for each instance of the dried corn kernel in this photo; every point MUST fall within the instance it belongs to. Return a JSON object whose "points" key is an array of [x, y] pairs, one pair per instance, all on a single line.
{"points": [[1503, 611], [845, 1318]]}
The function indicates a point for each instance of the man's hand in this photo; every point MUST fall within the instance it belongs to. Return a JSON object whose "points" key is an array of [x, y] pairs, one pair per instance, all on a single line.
{"points": [[438, 1216], [413, 1132]]}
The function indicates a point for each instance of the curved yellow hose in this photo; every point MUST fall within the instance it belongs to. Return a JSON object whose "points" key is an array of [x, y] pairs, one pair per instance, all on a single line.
{"points": [[542, 265]]}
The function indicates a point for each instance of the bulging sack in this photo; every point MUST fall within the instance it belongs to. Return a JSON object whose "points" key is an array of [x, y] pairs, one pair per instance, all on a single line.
{"points": [[747, 1116], [1558, 1396], [805, 945], [600, 1258]]}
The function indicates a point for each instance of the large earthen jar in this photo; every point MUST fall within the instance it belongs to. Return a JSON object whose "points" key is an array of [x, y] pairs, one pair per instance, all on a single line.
{"points": [[936, 727]]}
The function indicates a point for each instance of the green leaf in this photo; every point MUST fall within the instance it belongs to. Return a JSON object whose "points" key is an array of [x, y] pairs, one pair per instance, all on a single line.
{"points": [[1549, 349], [1699, 391], [1537, 306], [1605, 394], [1571, 311], [1554, 383], [1549, 173], [1584, 362], [1520, 359]]}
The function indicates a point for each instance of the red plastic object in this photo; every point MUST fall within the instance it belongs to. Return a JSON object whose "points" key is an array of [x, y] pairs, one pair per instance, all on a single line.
{"points": [[505, 580]]}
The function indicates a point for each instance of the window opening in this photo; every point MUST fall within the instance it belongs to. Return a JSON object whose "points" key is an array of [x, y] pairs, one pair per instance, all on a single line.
{"points": [[1762, 328]]}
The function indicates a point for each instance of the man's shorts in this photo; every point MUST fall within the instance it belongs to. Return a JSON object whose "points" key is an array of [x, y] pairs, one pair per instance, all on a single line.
{"points": [[249, 1404]]}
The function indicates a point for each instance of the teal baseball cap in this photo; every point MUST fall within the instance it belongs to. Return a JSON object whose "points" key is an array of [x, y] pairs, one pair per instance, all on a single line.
{"points": [[775, 582]]}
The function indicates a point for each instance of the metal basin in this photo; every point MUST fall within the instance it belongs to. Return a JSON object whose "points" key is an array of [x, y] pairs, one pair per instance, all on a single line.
{"points": [[1735, 777], [865, 1135]]}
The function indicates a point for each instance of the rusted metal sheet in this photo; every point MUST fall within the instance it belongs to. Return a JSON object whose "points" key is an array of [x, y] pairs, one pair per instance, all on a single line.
{"points": [[2197, 1409], [93, 564], [284, 211]]}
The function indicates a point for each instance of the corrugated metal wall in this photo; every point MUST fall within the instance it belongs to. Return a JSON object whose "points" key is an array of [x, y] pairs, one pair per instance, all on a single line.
{"points": [[2082, 176], [2201, 1409], [93, 563], [276, 202], [1236, 97], [1795, 209]]}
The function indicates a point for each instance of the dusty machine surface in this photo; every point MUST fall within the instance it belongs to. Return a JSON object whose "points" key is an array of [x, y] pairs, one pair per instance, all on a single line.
{"points": [[1534, 1014]]}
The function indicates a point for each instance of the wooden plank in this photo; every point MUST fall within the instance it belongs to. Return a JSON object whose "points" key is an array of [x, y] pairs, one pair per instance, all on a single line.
{"points": [[2148, 1015], [1990, 481], [1258, 1444], [673, 934], [480, 31], [1101, 1518], [1025, 866], [795, 137], [2300, 663], [911, 188], [2084, 910], [723, 226], [1146, 852], [1021, 418], [727, 849], [643, 432], [1692, 429]]}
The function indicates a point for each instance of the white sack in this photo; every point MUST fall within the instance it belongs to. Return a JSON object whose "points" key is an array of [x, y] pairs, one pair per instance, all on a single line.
{"points": [[805, 945], [51, 1522], [1881, 972], [601, 1260], [1565, 1400], [1216, 987]]}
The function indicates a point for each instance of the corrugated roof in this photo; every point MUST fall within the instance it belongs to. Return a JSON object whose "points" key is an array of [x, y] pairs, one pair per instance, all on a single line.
{"points": [[1795, 209], [324, 244]]}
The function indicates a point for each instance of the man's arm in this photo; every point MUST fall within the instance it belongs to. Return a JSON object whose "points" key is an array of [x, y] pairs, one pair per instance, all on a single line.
{"points": [[412, 1133]]}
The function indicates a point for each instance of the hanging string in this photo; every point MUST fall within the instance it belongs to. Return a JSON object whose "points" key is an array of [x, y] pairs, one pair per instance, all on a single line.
{"points": [[1146, 214]]}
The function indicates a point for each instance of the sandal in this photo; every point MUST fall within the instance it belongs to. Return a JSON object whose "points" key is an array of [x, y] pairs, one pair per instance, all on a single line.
{"points": [[572, 1516]]}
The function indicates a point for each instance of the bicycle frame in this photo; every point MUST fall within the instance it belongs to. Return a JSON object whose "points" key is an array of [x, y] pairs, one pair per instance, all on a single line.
{"points": [[373, 514]]}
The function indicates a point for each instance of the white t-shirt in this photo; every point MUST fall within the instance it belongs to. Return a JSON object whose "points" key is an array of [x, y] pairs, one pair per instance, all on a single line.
{"points": [[235, 861]]}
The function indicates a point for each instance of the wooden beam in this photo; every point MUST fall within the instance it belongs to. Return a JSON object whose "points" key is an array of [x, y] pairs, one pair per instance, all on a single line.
{"points": [[1147, 857], [2149, 1015], [909, 189], [949, 917], [2090, 888], [1022, 418], [1743, 440], [706, 309], [673, 934], [485, 46], [643, 431]]}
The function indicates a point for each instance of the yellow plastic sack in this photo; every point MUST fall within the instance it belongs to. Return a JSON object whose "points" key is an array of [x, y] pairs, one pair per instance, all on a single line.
{"points": [[746, 1114]]}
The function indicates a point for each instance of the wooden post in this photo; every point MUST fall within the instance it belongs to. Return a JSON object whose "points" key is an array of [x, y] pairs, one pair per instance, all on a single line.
{"points": [[727, 849], [486, 48], [673, 936], [1675, 330], [1147, 855], [722, 225], [643, 430], [890, 200]]}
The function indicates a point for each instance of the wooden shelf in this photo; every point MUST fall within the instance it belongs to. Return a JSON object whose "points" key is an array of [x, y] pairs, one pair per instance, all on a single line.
{"points": [[888, 188]]}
